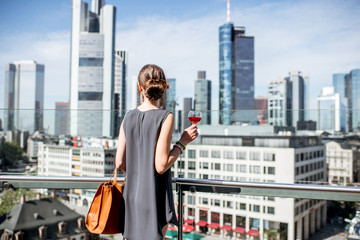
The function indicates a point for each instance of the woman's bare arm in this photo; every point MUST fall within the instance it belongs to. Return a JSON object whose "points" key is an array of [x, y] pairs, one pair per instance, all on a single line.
{"points": [[120, 159], [164, 158]]}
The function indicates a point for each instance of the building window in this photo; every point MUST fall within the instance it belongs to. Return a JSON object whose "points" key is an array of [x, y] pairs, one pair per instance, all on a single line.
{"points": [[191, 200], [271, 170], [191, 165], [243, 206], [228, 167], [205, 165], [217, 166], [256, 208], [215, 154], [271, 210], [229, 204], [243, 168], [205, 201], [256, 169], [269, 157], [254, 156], [204, 153], [217, 202], [191, 175], [241, 155], [191, 153], [228, 155], [181, 164]]}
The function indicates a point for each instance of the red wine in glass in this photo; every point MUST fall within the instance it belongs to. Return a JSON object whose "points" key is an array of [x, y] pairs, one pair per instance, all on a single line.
{"points": [[194, 117]]}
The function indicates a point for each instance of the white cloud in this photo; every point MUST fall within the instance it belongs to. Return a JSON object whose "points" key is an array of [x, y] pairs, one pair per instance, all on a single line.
{"points": [[317, 37]]}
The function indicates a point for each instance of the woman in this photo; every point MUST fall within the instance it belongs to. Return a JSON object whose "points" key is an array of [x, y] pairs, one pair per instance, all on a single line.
{"points": [[144, 154]]}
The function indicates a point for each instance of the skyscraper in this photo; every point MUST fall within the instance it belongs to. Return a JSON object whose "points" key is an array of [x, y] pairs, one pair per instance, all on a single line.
{"points": [[135, 95], [339, 83], [120, 89], [287, 99], [280, 102], [61, 118], [298, 99], [348, 86], [24, 96], [187, 108], [202, 97], [331, 111], [352, 89], [92, 69], [236, 74], [171, 95]]}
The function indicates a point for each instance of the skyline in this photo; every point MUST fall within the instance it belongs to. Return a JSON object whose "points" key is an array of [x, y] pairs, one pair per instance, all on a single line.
{"points": [[189, 40]]}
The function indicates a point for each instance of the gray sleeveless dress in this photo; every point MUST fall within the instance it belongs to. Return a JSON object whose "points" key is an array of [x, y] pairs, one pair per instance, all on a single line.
{"points": [[148, 196]]}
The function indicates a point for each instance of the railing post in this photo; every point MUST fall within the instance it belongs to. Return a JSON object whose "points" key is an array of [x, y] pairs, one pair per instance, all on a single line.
{"points": [[180, 209]]}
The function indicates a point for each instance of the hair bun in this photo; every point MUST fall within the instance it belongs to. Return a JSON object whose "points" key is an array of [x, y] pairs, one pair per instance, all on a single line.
{"points": [[155, 88]]}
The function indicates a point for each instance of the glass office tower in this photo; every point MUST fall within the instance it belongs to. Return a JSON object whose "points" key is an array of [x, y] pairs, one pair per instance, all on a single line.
{"points": [[24, 96], [244, 77], [171, 95], [92, 69], [120, 89], [331, 111], [236, 75], [353, 94], [226, 72], [202, 97]]}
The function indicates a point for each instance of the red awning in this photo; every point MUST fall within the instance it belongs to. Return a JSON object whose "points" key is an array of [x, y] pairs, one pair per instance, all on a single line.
{"points": [[201, 223], [172, 228], [188, 228], [189, 221], [239, 230], [226, 227], [214, 225], [254, 233]]}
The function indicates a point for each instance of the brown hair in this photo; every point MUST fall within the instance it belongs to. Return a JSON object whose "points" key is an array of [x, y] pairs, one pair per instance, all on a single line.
{"points": [[153, 81]]}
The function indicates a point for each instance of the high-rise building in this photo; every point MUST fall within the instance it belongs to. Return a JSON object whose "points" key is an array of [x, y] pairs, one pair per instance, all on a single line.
{"points": [[339, 83], [135, 95], [24, 96], [280, 102], [61, 118], [331, 111], [92, 69], [171, 95], [202, 97], [120, 89], [352, 89], [287, 99], [236, 74], [187, 107]]}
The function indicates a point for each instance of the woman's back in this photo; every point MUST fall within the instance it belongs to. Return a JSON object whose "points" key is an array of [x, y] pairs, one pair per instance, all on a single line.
{"points": [[148, 195]]}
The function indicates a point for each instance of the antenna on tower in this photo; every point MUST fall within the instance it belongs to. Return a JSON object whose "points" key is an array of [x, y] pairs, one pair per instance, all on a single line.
{"points": [[228, 11]]}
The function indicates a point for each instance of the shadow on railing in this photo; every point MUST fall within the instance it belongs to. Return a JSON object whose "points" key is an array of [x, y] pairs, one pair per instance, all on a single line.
{"points": [[320, 192]]}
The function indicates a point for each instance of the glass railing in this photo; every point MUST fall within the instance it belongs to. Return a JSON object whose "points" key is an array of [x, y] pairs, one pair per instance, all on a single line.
{"points": [[215, 209], [260, 175]]}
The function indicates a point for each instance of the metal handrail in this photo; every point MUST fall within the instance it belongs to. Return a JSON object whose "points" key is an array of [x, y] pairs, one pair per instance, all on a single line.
{"points": [[193, 185], [312, 191]]}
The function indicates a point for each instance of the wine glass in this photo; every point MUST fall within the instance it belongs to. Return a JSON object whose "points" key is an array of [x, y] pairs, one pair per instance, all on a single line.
{"points": [[194, 117]]}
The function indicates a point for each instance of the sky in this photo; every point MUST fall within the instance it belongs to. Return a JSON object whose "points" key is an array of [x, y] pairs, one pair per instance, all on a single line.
{"points": [[317, 37]]}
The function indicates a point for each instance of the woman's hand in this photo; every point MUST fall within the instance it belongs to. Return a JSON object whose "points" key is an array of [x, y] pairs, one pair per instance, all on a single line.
{"points": [[189, 134]]}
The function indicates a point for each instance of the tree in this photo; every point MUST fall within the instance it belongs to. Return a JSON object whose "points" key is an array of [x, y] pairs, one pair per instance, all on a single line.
{"points": [[12, 197], [11, 152]]}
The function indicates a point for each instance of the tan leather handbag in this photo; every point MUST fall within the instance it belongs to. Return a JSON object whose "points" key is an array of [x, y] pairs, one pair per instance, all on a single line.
{"points": [[107, 210]]}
